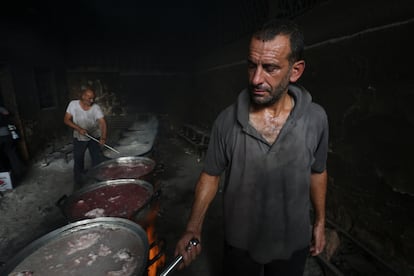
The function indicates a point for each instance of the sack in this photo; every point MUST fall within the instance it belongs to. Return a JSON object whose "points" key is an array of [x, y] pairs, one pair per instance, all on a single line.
{"points": [[5, 181]]}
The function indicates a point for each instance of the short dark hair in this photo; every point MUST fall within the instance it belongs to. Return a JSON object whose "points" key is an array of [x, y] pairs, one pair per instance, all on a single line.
{"points": [[274, 27]]}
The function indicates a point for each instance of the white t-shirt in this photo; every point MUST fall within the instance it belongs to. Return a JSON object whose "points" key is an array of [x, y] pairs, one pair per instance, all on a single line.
{"points": [[86, 119]]}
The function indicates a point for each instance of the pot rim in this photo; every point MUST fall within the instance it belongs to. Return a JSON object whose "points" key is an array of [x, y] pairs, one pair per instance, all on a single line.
{"points": [[109, 222], [68, 202], [125, 160]]}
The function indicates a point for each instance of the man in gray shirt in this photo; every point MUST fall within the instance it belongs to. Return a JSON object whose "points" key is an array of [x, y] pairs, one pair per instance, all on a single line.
{"points": [[272, 145]]}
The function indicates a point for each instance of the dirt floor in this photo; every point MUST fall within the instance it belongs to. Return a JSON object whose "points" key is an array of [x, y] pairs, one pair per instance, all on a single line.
{"points": [[29, 211]]}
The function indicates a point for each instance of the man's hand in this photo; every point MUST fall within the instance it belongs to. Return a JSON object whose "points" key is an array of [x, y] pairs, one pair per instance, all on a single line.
{"points": [[206, 189], [189, 253], [102, 141], [318, 241], [319, 182], [82, 131]]}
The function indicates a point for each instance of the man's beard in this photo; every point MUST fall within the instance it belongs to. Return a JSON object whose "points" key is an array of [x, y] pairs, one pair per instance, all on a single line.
{"points": [[273, 96]]}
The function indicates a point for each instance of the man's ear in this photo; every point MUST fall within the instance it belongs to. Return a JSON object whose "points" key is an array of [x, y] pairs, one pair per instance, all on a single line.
{"points": [[297, 70]]}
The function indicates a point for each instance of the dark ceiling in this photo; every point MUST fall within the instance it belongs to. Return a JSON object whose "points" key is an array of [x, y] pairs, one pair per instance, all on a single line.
{"points": [[184, 28], [117, 19]]}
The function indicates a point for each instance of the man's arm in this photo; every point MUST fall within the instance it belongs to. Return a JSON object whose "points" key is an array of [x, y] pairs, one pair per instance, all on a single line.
{"points": [[103, 128], [68, 121], [205, 192], [318, 188]]}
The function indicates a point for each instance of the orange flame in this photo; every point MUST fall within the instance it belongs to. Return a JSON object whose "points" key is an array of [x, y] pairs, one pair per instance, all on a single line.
{"points": [[152, 237]]}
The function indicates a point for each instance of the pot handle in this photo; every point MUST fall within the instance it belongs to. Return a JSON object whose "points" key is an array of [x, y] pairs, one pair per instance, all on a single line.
{"points": [[155, 196], [161, 245]]}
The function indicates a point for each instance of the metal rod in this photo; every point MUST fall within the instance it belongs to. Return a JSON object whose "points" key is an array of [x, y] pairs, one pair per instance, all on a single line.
{"points": [[178, 259], [96, 140], [172, 265]]}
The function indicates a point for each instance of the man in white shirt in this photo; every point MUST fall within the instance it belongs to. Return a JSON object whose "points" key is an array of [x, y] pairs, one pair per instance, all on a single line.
{"points": [[85, 117]]}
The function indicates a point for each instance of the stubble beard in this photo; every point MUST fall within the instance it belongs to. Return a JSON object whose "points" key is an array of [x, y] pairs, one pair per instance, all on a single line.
{"points": [[274, 95]]}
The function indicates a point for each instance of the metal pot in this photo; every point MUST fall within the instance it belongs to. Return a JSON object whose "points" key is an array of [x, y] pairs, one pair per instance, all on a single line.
{"points": [[123, 198], [137, 133], [100, 246], [133, 140], [137, 149], [123, 167]]}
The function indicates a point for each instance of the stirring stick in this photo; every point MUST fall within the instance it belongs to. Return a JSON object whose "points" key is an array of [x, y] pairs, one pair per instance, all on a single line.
{"points": [[96, 140]]}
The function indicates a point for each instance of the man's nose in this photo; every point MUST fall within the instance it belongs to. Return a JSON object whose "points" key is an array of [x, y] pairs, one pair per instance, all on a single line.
{"points": [[257, 77]]}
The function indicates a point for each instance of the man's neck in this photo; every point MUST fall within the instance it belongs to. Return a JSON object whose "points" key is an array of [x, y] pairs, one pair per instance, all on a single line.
{"points": [[268, 121], [85, 106]]}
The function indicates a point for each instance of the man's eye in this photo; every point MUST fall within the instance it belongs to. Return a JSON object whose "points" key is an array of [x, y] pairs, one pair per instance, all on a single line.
{"points": [[270, 68]]}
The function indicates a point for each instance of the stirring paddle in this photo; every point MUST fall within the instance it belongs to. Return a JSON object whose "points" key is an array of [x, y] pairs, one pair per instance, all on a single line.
{"points": [[96, 140]]}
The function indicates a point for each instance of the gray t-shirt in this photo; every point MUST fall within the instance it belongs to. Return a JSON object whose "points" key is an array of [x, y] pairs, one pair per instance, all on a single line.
{"points": [[266, 192], [86, 119]]}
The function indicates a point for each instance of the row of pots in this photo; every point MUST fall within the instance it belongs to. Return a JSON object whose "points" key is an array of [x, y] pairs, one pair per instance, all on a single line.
{"points": [[105, 232]]}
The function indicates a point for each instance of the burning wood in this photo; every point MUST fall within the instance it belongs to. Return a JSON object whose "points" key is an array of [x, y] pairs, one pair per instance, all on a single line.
{"points": [[155, 250]]}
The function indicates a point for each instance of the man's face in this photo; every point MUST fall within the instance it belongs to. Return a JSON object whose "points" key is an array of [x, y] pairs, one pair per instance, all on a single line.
{"points": [[88, 97], [269, 69]]}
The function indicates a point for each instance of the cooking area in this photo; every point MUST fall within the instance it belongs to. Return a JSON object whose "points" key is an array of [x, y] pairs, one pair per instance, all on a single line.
{"points": [[159, 205], [114, 188], [161, 73]]}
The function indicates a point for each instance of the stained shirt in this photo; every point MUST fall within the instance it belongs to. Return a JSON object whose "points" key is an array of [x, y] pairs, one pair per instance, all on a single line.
{"points": [[86, 119], [267, 186]]}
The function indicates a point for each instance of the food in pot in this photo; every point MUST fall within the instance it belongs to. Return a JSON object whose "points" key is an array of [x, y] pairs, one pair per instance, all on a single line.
{"points": [[111, 201], [82, 242], [95, 213], [128, 167], [121, 171], [104, 250], [100, 250], [122, 255], [132, 170]]}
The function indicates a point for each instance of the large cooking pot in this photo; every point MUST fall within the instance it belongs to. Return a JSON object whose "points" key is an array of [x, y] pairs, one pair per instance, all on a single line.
{"points": [[131, 140], [136, 149], [123, 167], [143, 134], [137, 133], [123, 198], [100, 246]]}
